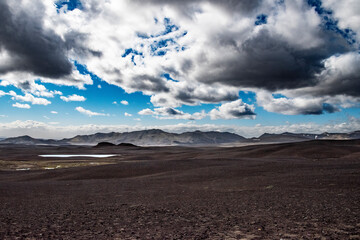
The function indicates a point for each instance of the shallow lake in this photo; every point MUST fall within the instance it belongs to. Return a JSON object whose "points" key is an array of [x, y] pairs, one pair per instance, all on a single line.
{"points": [[79, 155]]}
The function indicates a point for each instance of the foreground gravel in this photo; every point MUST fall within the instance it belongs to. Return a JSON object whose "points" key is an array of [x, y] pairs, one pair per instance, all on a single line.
{"points": [[263, 192]]}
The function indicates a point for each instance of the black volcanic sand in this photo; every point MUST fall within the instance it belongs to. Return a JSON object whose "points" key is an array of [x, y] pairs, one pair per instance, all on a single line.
{"points": [[308, 190]]}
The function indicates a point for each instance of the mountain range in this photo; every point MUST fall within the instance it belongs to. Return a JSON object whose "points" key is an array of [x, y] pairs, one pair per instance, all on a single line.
{"points": [[156, 137]]}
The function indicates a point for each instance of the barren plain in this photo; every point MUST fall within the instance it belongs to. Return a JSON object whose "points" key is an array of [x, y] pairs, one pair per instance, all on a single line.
{"points": [[307, 190]]}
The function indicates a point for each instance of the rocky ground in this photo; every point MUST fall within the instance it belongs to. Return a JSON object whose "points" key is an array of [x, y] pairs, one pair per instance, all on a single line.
{"points": [[288, 191]]}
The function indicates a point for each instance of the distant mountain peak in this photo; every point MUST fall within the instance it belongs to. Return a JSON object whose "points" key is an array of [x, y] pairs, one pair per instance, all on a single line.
{"points": [[24, 137], [154, 131], [158, 137]]}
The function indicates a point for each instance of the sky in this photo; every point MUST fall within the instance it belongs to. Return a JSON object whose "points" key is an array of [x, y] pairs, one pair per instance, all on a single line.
{"points": [[70, 67]]}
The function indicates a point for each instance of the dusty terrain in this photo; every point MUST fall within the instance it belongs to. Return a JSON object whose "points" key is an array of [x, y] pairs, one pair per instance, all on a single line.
{"points": [[308, 190]]}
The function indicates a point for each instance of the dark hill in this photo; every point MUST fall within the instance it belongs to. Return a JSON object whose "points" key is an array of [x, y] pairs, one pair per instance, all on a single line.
{"points": [[104, 144], [126, 145]]}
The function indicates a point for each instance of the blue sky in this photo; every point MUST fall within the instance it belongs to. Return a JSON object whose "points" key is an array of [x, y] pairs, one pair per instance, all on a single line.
{"points": [[268, 67]]}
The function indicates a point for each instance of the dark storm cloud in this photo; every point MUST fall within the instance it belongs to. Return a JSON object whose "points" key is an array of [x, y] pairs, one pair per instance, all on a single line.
{"points": [[239, 114], [75, 41], [189, 96], [149, 83], [31, 47], [297, 106], [325, 108], [267, 62], [337, 80], [349, 86], [172, 112]]}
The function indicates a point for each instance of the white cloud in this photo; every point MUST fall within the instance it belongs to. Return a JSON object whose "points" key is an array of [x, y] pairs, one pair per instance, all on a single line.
{"points": [[73, 98], [29, 98], [208, 59], [4, 83], [346, 12], [36, 89], [232, 110], [146, 111], [54, 112], [124, 102], [74, 79], [297, 24], [294, 106], [19, 105], [171, 113], [89, 113], [127, 114], [46, 93]]}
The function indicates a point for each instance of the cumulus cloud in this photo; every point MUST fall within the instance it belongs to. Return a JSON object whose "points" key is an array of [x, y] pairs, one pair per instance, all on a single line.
{"points": [[88, 112], [340, 76], [146, 111], [193, 93], [31, 87], [289, 51], [18, 79], [27, 44], [54, 112], [124, 102], [35, 45], [178, 53], [34, 88], [346, 12], [73, 98], [29, 98], [171, 113], [127, 114], [296, 106], [19, 105], [233, 110]]}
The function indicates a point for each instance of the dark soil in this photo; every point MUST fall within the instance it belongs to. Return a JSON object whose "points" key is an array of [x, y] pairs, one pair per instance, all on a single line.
{"points": [[287, 191]]}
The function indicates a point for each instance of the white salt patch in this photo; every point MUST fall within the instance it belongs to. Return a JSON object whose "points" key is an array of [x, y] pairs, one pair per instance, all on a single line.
{"points": [[80, 155], [22, 169]]}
